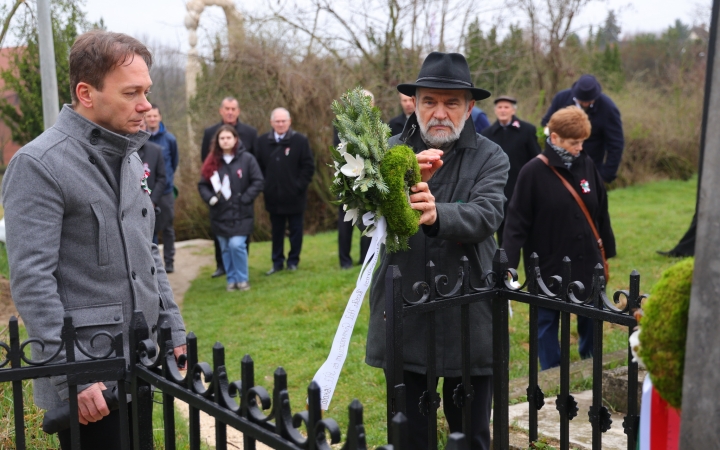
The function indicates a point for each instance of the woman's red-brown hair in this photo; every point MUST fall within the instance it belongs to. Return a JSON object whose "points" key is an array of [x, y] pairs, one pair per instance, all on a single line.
{"points": [[570, 123], [214, 158]]}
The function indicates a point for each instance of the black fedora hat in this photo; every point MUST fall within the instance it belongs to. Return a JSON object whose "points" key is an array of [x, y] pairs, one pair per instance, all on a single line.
{"points": [[586, 88], [444, 71]]}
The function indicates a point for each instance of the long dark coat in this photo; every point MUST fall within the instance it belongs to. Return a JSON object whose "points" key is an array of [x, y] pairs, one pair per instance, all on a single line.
{"points": [[151, 155], [247, 135], [606, 141], [234, 217], [543, 217], [469, 198], [518, 142], [288, 167], [397, 124]]}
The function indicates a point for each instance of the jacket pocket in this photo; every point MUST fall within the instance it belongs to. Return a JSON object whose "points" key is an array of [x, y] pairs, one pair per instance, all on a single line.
{"points": [[96, 315], [102, 243]]}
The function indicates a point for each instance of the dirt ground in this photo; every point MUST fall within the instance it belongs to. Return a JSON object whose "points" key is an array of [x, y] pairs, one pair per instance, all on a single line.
{"points": [[190, 257]]}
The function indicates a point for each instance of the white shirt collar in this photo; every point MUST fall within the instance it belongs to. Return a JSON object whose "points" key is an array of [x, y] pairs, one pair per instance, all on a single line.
{"points": [[278, 136]]}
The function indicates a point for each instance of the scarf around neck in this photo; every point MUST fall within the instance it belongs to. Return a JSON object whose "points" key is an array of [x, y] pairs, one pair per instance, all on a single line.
{"points": [[567, 157]]}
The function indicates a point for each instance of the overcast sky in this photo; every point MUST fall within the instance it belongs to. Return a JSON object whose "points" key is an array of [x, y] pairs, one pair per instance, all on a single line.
{"points": [[163, 20]]}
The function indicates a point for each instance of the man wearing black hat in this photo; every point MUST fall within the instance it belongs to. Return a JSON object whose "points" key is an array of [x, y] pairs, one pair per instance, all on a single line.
{"points": [[461, 199], [606, 142], [517, 138]]}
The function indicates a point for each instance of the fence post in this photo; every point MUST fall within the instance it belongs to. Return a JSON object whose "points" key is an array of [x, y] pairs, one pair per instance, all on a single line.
{"points": [[140, 389], [394, 360], [501, 357]]}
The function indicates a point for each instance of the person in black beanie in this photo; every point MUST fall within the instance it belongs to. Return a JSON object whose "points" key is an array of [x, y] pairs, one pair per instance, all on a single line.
{"points": [[606, 142]]}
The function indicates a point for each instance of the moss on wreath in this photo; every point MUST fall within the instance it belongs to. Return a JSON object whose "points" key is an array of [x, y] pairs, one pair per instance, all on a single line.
{"points": [[400, 170], [664, 330]]}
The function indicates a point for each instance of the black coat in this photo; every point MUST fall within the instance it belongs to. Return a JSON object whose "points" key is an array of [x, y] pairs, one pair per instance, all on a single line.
{"points": [[606, 136], [152, 158], [397, 124], [519, 143], [543, 217], [288, 167], [247, 135], [234, 217]]}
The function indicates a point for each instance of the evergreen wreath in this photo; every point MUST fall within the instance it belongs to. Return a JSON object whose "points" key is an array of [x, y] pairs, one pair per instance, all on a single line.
{"points": [[372, 181]]}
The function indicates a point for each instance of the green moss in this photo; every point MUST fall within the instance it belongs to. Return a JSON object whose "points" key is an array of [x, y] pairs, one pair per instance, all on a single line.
{"points": [[664, 330], [400, 170]]}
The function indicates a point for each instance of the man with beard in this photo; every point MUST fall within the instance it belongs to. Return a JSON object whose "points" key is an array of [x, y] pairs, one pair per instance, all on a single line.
{"points": [[517, 138], [397, 124], [230, 113], [461, 201], [606, 142]]}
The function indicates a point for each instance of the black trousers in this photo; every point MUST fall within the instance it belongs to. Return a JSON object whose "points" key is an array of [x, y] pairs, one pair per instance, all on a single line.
{"points": [[103, 434], [294, 223], [345, 233], [479, 439]]}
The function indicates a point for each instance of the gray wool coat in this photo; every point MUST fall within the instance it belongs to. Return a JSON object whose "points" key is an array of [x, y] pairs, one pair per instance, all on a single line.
{"points": [[79, 242], [469, 198]]}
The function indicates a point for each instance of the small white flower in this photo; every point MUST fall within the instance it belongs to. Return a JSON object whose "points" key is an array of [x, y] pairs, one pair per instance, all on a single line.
{"points": [[355, 166], [635, 347], [341, 148], [337, 169], [351, 214]]}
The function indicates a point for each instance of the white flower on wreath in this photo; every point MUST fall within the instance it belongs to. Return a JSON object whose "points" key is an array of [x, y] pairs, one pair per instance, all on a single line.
{"points": [[355, 166], [337, 169], [341, 148], [351, 214]]}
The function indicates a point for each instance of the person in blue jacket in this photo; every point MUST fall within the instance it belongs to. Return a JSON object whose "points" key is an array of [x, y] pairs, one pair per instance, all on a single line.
{"points": [[606, 142], [480, 119], [160, 136]]}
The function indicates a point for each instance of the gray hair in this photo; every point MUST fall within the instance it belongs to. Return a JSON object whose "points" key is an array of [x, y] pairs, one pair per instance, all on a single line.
{"points": [[272, 114], [369, 94], [229, 99]]}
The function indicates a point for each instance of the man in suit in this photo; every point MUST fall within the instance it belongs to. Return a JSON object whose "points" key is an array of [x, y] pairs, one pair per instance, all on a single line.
{"points": [[398, 123], [229, 112], [606, 141], [287, 164], [79, 222], [517, 138]]}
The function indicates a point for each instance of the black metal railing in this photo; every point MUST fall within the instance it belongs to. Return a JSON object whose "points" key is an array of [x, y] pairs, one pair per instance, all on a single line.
{"points": [[498, 287], [243, 405]]}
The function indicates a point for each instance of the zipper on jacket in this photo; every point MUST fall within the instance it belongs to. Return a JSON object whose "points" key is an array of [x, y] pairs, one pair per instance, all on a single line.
{"points": [[410, 133]]}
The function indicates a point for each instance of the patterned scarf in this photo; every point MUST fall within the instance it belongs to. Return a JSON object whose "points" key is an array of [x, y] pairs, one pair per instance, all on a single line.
{"points": [[567, 157]]}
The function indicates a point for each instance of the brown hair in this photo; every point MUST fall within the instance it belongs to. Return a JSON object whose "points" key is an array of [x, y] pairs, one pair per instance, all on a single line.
{"points": [[97, 52], [570, 123], [213, 159]]}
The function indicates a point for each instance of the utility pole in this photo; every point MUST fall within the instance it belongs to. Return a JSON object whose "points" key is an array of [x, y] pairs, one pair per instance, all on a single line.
{"points": [[48, 72]]}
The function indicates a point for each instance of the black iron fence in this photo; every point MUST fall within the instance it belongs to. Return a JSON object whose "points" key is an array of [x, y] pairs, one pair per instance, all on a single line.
{"points": [[268, 418], [499, 286], [243, 405]]}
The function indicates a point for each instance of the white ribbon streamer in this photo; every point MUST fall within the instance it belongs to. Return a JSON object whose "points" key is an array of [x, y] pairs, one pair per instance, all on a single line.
{"points": [[328, 374]]}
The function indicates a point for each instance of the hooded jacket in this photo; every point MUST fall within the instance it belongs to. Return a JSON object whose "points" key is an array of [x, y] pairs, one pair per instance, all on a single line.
{"points": [[468, 191], [167, 141], [234, 216]]}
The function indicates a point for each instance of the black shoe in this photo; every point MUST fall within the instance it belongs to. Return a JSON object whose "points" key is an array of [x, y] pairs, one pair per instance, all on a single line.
{"points": [[273, 270], [292, 268], [169, 268], [218, 273], [671, 254], [346, 267]]}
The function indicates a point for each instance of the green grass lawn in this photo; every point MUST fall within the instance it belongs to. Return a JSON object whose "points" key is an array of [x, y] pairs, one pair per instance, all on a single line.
{"points": [[289, 319]]}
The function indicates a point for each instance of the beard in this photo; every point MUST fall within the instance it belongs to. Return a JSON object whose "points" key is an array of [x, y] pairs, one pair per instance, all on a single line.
{"points": [[440, 138]]}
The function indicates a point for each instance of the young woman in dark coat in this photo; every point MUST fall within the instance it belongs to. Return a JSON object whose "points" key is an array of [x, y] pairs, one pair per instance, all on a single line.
{"points": [[231, 180], [543, 217]]}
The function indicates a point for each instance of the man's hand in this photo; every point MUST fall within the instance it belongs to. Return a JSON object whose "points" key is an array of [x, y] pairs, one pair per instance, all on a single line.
{"points": [[423, 201], [429, 162], [180, 350], [91, 404]]}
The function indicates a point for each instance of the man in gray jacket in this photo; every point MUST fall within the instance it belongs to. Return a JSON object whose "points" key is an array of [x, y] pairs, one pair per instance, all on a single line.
{"points": [[80, 220], [461, 199]]}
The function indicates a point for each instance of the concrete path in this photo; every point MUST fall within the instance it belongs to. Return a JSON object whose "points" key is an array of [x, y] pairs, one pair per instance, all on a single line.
{"points": [[580, 429], [190, 257]]}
